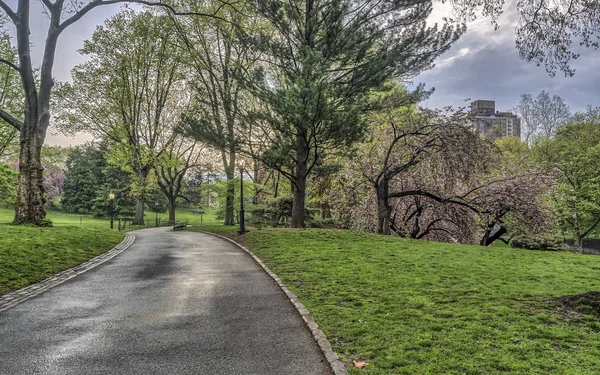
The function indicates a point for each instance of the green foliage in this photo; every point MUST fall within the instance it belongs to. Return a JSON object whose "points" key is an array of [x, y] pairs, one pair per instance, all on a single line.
{"points": [[84, 177], [275, 212], [327, 55], [573, 154], [543, 241], [220, 187], [417, 307], [130, 93], [8, 185], [11, 94], [514, 151], [89, 181]]}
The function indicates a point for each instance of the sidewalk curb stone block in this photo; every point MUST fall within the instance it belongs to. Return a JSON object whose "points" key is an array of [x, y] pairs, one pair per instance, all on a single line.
{"points": [[335, 364]]}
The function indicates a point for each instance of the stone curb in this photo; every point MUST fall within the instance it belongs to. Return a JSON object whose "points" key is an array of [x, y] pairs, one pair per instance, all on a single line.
{"points": [[14, 298], [335, 364]]}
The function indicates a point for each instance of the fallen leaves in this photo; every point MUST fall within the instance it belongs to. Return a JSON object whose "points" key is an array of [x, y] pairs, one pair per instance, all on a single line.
{"points": [[360, 364]]}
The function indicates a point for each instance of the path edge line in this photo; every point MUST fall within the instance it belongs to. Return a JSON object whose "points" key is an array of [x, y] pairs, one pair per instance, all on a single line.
{"points": [[18, 296], [335, 364]]}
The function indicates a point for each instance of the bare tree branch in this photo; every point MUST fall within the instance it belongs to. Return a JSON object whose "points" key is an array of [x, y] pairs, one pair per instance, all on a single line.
{"points": [[9, 12], [96, 3], [15, 67], [12, 120]]}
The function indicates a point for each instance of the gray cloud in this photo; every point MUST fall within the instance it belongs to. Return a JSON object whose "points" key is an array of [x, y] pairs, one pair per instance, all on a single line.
{"points": [[484, 64]]}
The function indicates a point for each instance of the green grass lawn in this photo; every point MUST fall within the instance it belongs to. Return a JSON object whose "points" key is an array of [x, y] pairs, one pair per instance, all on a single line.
{"points": [[415, 307], [181, 214], [31, 254]]}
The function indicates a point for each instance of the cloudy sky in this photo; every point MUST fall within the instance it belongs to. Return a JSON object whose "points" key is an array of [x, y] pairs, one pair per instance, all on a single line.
{"points": [[483, 64]]}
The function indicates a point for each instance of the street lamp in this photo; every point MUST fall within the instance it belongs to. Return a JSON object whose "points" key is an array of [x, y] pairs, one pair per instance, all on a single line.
{"points": [[111, 198], [242, 229], [156, 212]]}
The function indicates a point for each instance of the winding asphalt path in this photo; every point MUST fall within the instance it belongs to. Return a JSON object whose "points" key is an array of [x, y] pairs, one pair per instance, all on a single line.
{"points": [[173, 303]]}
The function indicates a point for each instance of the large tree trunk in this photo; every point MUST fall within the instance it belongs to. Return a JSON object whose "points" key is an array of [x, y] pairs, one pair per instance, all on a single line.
{"points": [[29, 207], [139, 211], [492, 233], [299, 201], [299, 183], [138, 219], [383, 208], [171, 209]]}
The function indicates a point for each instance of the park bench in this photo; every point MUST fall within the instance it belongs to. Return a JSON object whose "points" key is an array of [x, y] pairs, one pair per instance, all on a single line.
{"points": [[180, 225]]}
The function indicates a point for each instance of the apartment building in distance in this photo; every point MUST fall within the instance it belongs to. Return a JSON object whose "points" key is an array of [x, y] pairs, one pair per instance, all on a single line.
{"points": [[494, 124]]}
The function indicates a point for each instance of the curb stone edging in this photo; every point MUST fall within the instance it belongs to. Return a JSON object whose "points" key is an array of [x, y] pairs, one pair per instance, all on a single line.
{"points": [[12, 299], [335, 364]]}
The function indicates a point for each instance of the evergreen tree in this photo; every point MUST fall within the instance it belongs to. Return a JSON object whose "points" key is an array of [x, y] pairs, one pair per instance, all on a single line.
{"points": [[324, 56], [90, 179], [85, 167]]}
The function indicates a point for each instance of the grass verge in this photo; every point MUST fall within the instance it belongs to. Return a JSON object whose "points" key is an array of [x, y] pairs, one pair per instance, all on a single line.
{"points": [[416, 307], [31, 254]]}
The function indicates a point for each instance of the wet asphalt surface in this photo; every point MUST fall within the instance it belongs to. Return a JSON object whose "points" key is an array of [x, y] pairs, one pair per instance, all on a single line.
{"points": [[173, 303]]}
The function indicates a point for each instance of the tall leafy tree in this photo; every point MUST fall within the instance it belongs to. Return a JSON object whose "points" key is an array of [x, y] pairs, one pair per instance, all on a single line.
{"points": [[85, 166], [32, 124], [180, 156], [216, 55], [131, 93], [573, 154], [323, 58]]}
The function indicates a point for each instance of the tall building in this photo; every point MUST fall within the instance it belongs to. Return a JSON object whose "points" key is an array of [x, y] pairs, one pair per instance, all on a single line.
{"points": [[494, 124]]}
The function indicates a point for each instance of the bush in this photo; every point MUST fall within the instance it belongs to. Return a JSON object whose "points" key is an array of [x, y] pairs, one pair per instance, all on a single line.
{"points": [[277, 212], [258, 216], [322, 223], [538, 242]]}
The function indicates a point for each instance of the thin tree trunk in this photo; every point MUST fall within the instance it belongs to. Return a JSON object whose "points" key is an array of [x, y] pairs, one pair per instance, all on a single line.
{"points": [[229, 199], [577, 238], [383, 208]]}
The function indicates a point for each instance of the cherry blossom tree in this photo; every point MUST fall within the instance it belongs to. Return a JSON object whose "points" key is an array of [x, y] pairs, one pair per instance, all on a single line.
{"points": [[425, 174]]}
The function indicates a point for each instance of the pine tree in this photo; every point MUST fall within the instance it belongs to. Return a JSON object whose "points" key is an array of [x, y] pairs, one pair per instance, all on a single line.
{"points": [[324, 56]]}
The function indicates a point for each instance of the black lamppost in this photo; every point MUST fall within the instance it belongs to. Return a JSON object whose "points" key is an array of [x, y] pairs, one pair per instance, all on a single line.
{"points": [[156, 212], [242, 229], [111, 198]]}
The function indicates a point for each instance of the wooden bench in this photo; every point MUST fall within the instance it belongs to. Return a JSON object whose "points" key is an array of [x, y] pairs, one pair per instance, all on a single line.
{"points": [[180, 225]]}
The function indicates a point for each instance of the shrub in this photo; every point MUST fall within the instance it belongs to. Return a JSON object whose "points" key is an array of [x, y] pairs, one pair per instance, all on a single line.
{"points": [[548, 242]]}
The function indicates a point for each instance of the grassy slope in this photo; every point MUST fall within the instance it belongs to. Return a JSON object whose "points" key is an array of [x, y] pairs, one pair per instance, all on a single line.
{"points": [[30, 254], [413, 307]]}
